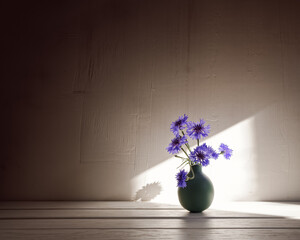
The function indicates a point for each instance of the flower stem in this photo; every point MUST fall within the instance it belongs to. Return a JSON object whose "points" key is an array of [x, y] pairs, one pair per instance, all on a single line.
{"points": [[180, 157], [187, 144], [198, 142], [185, 153], [191, 178], [183, 164]]}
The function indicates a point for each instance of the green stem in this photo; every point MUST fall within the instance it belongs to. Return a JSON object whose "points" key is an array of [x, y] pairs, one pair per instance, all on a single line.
{"points": [[198, 142], [180, 157], [187, 144], [183, 164], [185, 153], [188, 178]]}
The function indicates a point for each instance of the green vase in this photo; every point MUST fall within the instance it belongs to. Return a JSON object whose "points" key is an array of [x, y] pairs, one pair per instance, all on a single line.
{"points": [[199, 192]]}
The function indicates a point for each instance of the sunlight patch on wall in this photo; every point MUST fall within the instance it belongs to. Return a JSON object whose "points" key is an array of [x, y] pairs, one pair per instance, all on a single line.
{"points": [[233, 179]]}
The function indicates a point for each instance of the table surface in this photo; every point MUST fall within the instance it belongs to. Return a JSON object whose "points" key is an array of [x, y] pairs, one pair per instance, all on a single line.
{"points": [[148, 220]]}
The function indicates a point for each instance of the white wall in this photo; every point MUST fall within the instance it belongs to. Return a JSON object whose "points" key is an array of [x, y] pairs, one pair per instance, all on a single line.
{"points": [[91, 88]]}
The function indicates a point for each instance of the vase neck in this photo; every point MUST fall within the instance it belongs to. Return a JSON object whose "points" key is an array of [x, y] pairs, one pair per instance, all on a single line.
{"points": [[197, 169]]}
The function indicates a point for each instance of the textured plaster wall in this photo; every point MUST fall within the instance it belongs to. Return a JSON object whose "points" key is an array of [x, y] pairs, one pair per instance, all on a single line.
{"points": [[89, 89]]}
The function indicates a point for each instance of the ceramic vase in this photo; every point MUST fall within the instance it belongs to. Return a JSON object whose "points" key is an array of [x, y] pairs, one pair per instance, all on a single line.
{"points": [[199, 192]]}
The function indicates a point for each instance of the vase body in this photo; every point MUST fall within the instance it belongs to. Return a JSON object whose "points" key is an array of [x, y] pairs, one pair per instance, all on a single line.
{"points": [[199, 192]]}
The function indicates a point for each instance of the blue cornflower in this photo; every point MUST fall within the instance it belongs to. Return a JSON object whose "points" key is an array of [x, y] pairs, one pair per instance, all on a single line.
{"points": [[212, 153], [179, 124], [181, 178], [201, 155], [215, 155], [176, 143], [197, 130], [224, 149]]}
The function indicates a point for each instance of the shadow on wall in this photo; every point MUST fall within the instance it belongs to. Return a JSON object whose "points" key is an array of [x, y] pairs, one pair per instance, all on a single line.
{"points": [[148, 192]]}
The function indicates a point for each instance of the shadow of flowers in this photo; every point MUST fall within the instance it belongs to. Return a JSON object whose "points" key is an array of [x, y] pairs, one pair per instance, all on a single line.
{"points": [[148, 192]]}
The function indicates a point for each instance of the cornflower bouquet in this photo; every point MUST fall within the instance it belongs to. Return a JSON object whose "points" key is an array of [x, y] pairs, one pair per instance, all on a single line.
{"points": [[200, 155]]}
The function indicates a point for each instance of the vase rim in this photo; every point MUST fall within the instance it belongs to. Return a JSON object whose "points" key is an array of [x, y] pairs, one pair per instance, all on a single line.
{"points": [[197, 165], [197, 168]]}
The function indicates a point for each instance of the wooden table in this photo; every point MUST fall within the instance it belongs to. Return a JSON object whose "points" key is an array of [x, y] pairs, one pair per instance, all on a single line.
{"points": [[146, 220]]}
